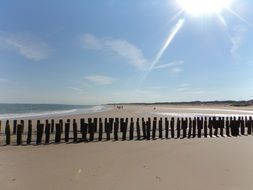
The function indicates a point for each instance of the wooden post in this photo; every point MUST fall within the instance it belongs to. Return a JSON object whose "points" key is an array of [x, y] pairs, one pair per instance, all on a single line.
{"points": [[100, 130], [58, 133], [83, 129], [47, 133], [178, 128], [172, 123], [91, 128], [249, 126], [154, 128], [14, 127], [19, 134], [138, 129], [75, 131], [199, 126], [227, 127], [190, 128], [184, 126], [29, 134], [194, 123], [160, 128], [210, 126], [124, 130], [148, 124], [116, 130], [205, 127], [52, 126], [7, 133], [67, 127], [144, 129], [242, 126], [108, 131], [111, 124], [166, 128], [131, 131], [95, 121], [40, 129]]}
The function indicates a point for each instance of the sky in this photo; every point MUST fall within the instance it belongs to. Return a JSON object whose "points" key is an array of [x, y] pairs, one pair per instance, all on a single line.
{"points": [[96, 52]]}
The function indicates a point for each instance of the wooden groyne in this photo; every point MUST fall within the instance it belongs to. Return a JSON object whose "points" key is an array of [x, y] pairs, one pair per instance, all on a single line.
{"points": [[19, 132]]}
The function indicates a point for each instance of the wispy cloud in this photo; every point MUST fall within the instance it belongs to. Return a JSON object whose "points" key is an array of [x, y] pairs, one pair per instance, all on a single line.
{"points": [[26, 45], [171, 64], [132, 54], [237, 38], [100, 79], [176, 70], [91, 42]]}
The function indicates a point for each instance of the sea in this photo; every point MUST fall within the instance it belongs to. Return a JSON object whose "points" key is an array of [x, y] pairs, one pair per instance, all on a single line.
{"points": [[25, 111]]}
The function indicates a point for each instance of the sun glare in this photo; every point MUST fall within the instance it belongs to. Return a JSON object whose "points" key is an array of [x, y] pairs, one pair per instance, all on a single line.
{"points": [[204, 7]]}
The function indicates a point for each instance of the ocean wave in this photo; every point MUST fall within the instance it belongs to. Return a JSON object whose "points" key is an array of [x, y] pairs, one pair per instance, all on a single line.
{"points": [[70, 112]]}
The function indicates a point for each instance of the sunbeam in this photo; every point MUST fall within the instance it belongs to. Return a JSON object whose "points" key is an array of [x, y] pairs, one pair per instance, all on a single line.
{"points": [[171, 36], [222, 20], [239, 17]]}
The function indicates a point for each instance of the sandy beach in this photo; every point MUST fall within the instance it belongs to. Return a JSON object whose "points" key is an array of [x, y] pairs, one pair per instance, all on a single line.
{"points": [[181, 164]]}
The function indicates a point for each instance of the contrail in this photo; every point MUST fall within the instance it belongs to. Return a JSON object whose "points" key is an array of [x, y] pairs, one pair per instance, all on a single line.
{"points": [[171, 36], [239, 17], [167, 42]]}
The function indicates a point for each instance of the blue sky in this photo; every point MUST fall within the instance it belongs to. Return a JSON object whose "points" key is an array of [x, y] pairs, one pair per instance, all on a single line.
{"points": [[93, 51]]}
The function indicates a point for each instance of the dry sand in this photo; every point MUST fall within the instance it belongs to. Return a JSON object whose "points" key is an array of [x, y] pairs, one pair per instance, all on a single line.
{"points": [[212, 163]]}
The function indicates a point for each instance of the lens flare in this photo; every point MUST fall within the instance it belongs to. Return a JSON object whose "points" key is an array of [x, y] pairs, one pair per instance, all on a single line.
{"points": [[203, 7]]}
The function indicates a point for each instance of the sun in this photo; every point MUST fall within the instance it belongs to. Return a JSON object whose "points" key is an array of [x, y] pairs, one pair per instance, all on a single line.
{"points": [[204, 7]]}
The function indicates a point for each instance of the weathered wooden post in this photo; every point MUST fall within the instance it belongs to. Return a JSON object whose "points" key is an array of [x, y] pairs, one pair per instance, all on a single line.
{"points": [[148, 124], [194, 123], [154, 128], [91, 130], [95, 121], [249, 121], [47, 133], [7, 133], [61, 125], [166, 128], [100, 130], [210, 126], [75, 131], [205, 127], [40, 129], [227, 127], [215, 126], [184, 126], [58, 133], [14, 127], [83, 130], [124, 130], [199, 126], [144, 129], [131, 131], [251, 124], [52, 126], [67, 127], [172, 123], [116, 130], [108, 131], [237, 127], [138, 129], [178, 128], [29, 133], [111, 124], [222, 126], [190, 128], [19, 134], [121, 124], [242, 126], [160, 127]]}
